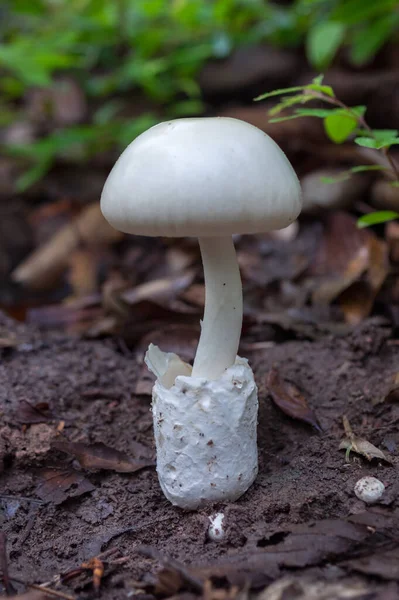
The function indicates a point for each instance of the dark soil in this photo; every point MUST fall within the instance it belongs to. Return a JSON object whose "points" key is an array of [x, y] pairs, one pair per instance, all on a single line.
{"points": [[303, 479]]}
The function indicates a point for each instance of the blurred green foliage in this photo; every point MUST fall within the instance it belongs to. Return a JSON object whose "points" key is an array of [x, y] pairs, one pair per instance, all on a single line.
{"points": [[113, 48]]}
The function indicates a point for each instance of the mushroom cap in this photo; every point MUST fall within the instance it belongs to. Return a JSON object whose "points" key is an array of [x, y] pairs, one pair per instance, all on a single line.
{"points": [[201, 177]]}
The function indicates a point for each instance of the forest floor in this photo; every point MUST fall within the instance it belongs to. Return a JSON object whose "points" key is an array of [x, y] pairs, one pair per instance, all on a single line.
{"points": [[299, 526]]}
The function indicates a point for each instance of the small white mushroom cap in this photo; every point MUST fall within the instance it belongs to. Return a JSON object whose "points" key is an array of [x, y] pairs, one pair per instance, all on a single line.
{"points": [[216, 530], [201, 177], [369, 489]]}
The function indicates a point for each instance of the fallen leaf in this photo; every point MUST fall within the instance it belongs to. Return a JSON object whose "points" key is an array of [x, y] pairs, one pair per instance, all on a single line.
{"points": [[42, 268], [159, 289], [384, 196], [295, 547], [28, 413], [379, 564], [293, 587], [57, 485], [290, 400], [169, 582], [82, 273], [357, 301], [364, 448], [8, 339], [351, 266], [31, 595], [100, 456], [392, 237], [391, 394]]}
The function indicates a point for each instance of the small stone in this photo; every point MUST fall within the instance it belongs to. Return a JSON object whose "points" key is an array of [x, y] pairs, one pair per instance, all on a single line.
{"points": [[369, 489], [216, 530]]}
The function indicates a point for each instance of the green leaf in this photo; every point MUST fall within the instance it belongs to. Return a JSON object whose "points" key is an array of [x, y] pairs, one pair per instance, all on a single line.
{"points": [[323, 41], [281, 119], [366, 142], [317, 86], [341, 177], [280, 92], [376, 218], [383, 134], [359, 111], [352, 12], [368, 40], [378, 144], [318, 80], [362, 168], [288, 102], [339, 126], [322, 89], [32, 175], [344, 175], [314, 112]]}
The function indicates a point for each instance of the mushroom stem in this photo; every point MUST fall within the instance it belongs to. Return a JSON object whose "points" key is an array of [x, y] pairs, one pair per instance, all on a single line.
{"points": [[221, 326]]}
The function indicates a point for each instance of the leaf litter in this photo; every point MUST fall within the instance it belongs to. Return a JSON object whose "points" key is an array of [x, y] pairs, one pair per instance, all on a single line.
{"points": [[353, 443], [98, 456], [58, 485], [290, 399]]}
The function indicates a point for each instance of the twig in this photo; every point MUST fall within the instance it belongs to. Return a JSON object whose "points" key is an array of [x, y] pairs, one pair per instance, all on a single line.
{"points": [[351, 438], [20, 499], [45, 590], [4, 565], [29, 526]]}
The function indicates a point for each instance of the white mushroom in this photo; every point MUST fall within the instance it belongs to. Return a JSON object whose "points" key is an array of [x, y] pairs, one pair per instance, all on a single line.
{"points": [[216, 530], [210, 178]]}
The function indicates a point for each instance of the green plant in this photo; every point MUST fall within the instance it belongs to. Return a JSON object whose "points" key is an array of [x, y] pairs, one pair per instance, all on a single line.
{"points": [[122, 49], [341, 123]]}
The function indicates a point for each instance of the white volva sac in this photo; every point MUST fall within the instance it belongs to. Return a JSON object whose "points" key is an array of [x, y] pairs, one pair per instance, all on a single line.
{"points": [[205, 434]]}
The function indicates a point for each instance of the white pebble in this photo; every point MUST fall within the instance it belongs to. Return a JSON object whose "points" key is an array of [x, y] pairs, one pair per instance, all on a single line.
{"points": [[216, 531], [369, 489]]}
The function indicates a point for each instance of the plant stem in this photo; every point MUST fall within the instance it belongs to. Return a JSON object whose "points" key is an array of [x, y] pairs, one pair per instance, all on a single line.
{"points": [[221, 327]]}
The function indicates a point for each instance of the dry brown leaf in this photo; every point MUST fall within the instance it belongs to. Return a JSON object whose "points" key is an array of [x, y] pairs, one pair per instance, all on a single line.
{"points": [[57, 485], [364, 448], [381, 564], [385, 196], [8, 339], [43, 267], [293, 587], [296, 547], [82, 274], [32, 594], [100, 456], [28, 413], [352, 264], [289, 399], [391, 393], [159, 289]]}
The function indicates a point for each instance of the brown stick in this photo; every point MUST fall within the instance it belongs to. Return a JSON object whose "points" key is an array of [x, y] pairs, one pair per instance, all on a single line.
{"points": [[45, 590], [4, 565]]}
